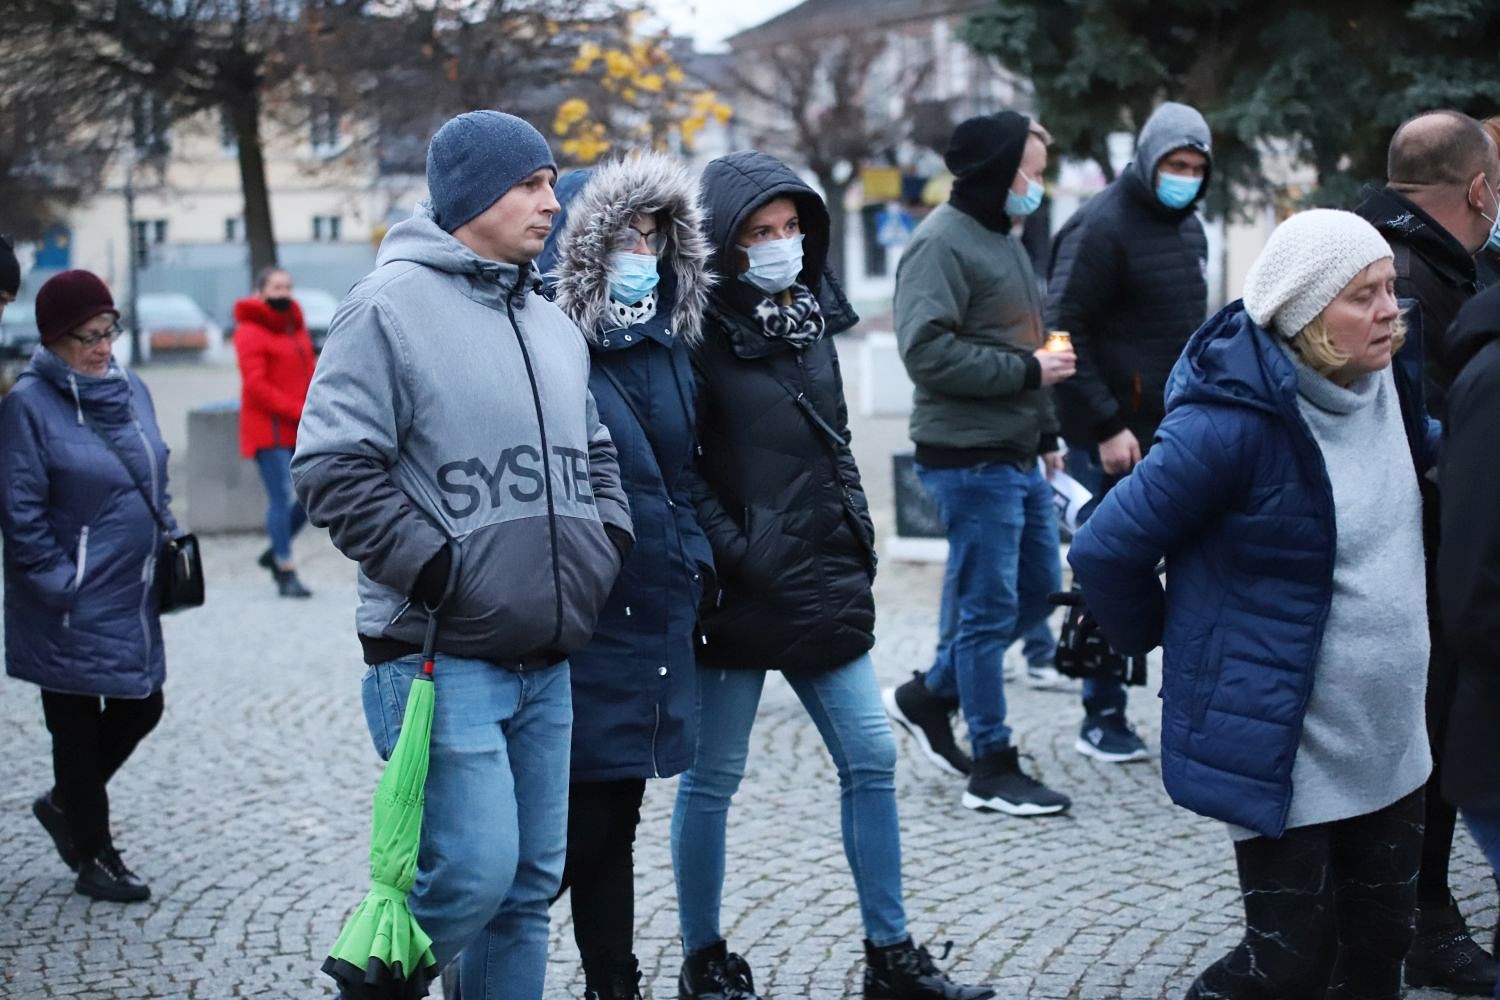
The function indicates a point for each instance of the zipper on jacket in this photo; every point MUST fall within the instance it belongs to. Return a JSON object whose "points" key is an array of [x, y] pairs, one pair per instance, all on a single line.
{"points": [[83, 558], [148, 572], [655, 731], [541, 429]]}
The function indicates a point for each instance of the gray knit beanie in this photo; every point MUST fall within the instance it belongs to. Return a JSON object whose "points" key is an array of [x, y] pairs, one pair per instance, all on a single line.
{"points": [[476, 158], [1305, 264]]}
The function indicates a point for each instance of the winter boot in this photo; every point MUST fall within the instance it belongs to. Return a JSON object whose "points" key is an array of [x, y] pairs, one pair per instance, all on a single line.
{"points": [[1444, 954], [104, 876], [904, 971], [998, 784], [928, 719], [612, 980], [287, 584], [715, 973]]}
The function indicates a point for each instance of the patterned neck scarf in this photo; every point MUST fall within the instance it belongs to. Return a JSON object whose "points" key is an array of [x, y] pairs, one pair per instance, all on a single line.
{"points": [[618, 315], [798, 322]]}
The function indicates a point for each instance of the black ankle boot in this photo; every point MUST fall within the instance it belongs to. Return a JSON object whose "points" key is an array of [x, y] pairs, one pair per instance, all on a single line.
{"points": [[287, 584], [715, 973], [612, 980], [1445, 955], [104, 876], [906, 972]]}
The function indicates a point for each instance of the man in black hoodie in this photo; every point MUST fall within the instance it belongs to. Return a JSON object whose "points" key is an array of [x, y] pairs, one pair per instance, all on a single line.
{"points": [[1438, 207], [1128, 280]]}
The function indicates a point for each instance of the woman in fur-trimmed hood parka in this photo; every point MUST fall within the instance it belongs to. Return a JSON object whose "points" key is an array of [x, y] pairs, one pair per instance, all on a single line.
{"points": [[627, 262]]}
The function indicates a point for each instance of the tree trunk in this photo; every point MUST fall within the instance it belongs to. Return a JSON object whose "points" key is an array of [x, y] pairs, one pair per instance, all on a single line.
{"points": [[838, 224], [244, 112]]}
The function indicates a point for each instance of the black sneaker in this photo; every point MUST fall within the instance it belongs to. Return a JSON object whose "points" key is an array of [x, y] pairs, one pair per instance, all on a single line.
{"points": [[906, 972], [926, 717], [715, 973], [105, 876], [1444, 954], [287, 584], [999, 785], [1106, 735], [55, 823]]}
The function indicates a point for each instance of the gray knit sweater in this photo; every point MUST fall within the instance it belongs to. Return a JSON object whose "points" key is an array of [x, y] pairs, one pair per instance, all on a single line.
{"points": [[1364, 737]]}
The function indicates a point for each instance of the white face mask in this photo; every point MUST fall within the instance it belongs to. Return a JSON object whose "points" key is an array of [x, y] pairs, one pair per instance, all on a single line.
{"points": [[774, 264]]}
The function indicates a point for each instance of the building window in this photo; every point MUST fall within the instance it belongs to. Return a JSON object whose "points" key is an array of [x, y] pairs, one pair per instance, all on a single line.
{"points": [[234, 229], [323, 126], [151, 123], [327, 228], [229, 140], [148, 233]]}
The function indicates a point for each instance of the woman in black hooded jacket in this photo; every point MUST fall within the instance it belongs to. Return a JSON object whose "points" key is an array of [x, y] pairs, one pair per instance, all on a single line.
{"points": [[780, 499]]}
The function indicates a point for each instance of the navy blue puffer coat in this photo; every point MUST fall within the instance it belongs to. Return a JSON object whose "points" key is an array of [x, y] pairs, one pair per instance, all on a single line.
{"points": [[635, 693], [80, 543], [1235, 495]]}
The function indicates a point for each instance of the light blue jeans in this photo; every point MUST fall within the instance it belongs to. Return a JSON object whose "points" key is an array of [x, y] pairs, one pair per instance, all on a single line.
{"points": [[1003, 561], [844, 704], [495, 821]]}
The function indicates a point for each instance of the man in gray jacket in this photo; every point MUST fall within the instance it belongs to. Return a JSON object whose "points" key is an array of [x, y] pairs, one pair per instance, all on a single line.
{"points": [[450, 445], [969, 328]]}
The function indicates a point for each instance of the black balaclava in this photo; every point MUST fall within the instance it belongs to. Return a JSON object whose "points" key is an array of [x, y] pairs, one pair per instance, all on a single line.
{"points": [[10, 269], [983, 156]]}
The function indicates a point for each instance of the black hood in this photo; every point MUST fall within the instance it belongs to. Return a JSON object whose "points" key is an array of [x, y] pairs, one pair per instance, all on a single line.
{"points": [[734, 186], [1476, 324], [983, 157], [1400, 220]]}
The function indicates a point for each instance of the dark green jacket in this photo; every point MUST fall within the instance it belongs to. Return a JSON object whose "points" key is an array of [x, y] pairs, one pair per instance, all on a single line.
{"points": [[968, 317]]}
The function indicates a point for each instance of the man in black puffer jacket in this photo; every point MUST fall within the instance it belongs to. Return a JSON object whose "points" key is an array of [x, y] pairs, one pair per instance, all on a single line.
{"points": [[1128, 281], [1436, 210]]}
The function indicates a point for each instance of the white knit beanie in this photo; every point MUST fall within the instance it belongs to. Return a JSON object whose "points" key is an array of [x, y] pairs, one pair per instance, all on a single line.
{"points": [[1305, 264]]}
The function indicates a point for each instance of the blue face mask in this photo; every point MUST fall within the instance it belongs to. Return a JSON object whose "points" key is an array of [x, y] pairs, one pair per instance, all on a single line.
{"points": [[774, 264], [1493, 243], [1175, 191], [632, 276], [1017, 205]]}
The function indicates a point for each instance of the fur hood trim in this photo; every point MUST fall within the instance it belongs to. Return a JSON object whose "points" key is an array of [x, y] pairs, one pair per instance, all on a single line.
{"points": [[644, 183]]}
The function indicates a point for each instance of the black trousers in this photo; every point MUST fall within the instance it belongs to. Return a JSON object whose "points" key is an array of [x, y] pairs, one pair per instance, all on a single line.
{"points": [[91, 738], [600, 869], [1330, 911]]}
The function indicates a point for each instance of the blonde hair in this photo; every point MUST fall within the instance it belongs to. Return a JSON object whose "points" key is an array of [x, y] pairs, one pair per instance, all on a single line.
{"points": [[1315, 347]]}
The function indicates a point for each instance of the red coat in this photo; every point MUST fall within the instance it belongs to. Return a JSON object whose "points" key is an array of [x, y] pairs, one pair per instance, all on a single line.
{"points": [[276, 367]]}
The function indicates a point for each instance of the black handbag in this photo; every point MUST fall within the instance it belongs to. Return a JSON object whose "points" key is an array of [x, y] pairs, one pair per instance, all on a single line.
{"points": [[179, 564]]}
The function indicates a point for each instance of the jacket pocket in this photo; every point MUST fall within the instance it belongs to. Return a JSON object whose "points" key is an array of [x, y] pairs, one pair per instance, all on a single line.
{"points": [[1206, 681]]}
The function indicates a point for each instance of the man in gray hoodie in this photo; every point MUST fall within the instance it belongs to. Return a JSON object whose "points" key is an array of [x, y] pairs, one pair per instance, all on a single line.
{"points": [[1128, 280], [451, 447]]}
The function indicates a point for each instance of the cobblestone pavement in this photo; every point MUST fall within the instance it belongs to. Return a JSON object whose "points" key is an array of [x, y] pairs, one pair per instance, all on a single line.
{"points": [[248, 813]]}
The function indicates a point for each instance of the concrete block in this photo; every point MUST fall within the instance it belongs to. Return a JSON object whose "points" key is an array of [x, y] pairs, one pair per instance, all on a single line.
{"points": [[919, 529], [885, 389], [224, 491]]}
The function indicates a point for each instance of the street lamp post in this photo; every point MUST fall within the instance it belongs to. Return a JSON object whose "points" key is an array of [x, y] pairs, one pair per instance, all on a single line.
{"points": [[130, 256]]}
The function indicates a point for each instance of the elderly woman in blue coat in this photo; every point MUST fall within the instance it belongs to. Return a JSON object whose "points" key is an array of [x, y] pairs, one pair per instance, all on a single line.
{"points": [[1283, 492], [83, 481]]}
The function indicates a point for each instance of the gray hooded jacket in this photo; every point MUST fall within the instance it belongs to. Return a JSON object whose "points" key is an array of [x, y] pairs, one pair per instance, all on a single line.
{"points": [[452, 402]]}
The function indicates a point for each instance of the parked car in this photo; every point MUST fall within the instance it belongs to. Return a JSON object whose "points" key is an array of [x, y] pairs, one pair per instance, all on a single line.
{"points": [[172, 325], [318, 308], [18, 333]]}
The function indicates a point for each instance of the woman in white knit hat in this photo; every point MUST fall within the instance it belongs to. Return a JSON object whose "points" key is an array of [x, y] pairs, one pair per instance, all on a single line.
{"points": [[1282, 491]]}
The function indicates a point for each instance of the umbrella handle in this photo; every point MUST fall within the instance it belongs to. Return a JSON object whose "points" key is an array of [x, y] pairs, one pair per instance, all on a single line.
{"points": [[429, 642]]}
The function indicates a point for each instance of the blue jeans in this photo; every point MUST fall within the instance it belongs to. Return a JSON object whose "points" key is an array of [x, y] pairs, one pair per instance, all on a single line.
{"points": [[844, 704], [284, 514], [495, 820], [1485, 828], [1108, 692], [1003, 561], [1039, 645]]}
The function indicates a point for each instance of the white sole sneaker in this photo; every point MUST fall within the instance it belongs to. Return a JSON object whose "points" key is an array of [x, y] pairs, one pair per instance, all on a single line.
{"points": [[893, 711], [1088, 749], [972, 801]]}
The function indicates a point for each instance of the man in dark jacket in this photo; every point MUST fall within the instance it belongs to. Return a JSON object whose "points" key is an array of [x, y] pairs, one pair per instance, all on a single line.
{"points": [[969, 328], [1128, 281], [1437, 209], [1469, 574], [451, 446], [10, 275]]}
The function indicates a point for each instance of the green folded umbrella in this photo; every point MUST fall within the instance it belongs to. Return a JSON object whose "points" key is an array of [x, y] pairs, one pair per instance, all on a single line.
{"points": [[383, 954]]}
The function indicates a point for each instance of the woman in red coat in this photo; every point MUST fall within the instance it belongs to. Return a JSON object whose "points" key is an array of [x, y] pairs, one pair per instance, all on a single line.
{"points": [[276, 367]]}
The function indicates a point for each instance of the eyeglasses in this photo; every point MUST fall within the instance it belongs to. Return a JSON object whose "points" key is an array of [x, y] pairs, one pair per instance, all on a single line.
{"points": [[94, 339], [630, 237]]}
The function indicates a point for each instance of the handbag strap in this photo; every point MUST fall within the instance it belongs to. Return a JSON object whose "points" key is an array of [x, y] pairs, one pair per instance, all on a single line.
{"points": [[146, 496]]}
